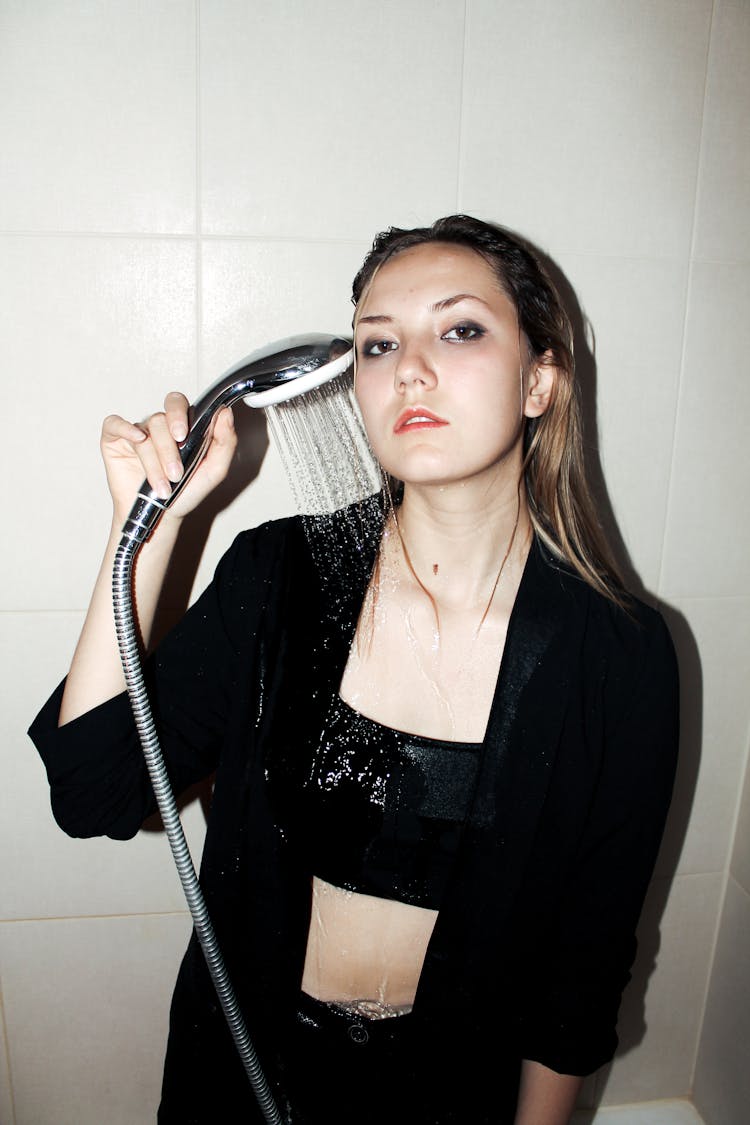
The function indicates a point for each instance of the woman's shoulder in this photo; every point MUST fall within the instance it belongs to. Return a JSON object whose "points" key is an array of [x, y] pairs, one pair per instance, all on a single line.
{"points": [[628, 628], [621, 656], [337, 539], [258, 557], [271, 535]]}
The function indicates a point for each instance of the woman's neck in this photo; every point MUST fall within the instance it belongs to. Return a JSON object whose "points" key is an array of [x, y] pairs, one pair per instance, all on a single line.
{"points": [[454, 540]]}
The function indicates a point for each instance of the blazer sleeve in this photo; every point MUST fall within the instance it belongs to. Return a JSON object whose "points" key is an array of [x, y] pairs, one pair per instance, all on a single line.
{"points": [[98, 778], [570, 1020]]}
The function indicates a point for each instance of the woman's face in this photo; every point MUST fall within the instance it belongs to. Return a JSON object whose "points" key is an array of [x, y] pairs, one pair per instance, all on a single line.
{"points": [[439, 379]]}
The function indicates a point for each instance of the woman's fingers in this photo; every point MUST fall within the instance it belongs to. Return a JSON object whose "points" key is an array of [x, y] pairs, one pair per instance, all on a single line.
{"points": [[175, 418], [159, 456], [114, 428], [163, 446], [222, 447], [176, 412], [146, 448], [134, 450]]}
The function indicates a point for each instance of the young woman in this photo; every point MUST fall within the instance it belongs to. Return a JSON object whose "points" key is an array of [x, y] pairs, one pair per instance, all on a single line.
{"points": [[443, 764]]}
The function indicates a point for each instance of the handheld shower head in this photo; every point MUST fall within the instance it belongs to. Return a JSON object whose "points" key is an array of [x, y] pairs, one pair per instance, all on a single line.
{"points": [[273, 374]]}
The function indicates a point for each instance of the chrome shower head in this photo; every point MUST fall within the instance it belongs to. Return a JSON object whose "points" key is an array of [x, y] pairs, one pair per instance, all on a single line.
{"points": [[273, 374]]}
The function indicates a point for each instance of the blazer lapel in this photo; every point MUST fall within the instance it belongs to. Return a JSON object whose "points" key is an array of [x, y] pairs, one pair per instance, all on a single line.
{"points": [[519, 753], [528, 704]]}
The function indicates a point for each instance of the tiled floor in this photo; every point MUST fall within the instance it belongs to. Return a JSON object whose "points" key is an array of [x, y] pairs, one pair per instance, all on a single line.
{"points": [[644, 1113]]}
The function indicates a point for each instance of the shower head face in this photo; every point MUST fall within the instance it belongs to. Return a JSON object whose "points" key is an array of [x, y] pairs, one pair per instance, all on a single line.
{"points": [[276, 373]]}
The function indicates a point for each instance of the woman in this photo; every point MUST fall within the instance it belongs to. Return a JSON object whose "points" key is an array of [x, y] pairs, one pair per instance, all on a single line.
{"points": [[425, 868]]}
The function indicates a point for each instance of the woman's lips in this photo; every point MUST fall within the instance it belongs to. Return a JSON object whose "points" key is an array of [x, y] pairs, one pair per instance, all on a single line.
{"points": [[417, 418]]}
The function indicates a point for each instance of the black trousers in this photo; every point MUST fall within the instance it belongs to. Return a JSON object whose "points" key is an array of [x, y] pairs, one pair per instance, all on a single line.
{"points": [[327, 1066], [340, 1067]]}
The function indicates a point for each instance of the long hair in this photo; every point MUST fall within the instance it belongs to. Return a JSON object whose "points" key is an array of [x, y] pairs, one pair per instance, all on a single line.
{"points": [[561, 507]]}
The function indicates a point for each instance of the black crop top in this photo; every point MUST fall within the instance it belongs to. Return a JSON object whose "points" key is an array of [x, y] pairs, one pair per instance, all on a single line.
{"points": [[378, 811]]}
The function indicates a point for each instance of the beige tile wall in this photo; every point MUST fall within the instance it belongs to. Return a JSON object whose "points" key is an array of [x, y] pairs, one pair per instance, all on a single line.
{"points": [[185, 180], [706, 551], [722, 1077]]}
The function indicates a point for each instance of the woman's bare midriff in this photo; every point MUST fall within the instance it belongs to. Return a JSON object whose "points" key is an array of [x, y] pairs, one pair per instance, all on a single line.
{"points": [[364, 948]]}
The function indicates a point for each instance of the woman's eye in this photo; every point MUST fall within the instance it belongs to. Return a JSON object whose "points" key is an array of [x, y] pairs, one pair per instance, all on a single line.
{"points": [[464, 331], [379, 347]]}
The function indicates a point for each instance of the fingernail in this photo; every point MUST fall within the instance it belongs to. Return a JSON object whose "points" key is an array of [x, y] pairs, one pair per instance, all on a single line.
{"points": [[174, 468], [179, 431], [163, 490]]}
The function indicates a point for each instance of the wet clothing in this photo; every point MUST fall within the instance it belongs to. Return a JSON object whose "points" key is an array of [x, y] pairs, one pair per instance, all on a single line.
{"points": [[535, 934], [378, 811]]}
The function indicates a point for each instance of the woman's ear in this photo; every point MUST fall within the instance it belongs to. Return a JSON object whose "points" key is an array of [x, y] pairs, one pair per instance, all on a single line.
{"points": [[542, 379]]}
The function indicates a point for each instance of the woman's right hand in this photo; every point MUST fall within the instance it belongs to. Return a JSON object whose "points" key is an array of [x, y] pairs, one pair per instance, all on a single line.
{"points": [[132, 451]]}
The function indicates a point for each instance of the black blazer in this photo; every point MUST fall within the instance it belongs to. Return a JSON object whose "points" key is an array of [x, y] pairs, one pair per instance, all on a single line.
{"points": [[535, 937]]}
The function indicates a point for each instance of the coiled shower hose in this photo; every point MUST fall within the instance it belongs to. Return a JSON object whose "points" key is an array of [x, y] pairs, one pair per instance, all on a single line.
{"points": [[127, 640]]}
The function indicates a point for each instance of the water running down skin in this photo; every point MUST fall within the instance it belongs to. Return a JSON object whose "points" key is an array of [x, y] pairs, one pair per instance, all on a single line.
{"points": [[362, 948]]}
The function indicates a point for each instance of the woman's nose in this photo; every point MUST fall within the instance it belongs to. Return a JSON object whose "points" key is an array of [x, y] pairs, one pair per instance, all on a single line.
{"points": [[413, 367]]}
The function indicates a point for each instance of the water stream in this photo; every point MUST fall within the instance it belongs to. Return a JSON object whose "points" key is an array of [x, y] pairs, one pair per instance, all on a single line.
{"points": [[332, 471], [324, 448]]}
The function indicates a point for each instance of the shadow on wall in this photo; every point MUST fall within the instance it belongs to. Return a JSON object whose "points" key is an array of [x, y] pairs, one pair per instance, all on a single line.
{"points": [[632, 1023], [252, 446]]}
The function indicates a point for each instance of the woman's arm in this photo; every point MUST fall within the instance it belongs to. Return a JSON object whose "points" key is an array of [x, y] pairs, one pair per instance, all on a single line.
{"points": [[131, 452], [579, 964], [202, 673], [546, 1097]]}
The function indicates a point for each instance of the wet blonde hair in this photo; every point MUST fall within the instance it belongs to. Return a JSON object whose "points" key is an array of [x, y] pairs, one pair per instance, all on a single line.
{"points": [[560, 502]]}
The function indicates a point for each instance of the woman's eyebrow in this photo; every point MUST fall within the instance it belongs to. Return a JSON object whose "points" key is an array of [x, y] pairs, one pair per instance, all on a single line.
{"points": [[448, 302], [439, 306], [375, 320]]}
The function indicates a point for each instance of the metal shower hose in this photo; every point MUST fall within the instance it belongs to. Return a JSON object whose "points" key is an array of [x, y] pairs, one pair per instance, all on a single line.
{"points": [[127, 640]]}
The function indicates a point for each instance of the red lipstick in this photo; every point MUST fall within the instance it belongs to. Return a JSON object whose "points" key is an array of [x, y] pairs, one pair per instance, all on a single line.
{"points": [[417, 418]]}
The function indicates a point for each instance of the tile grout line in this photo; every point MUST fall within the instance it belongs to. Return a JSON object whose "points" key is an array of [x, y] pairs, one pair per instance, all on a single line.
{"points": [[333, 240], [95, 917], [6, 1052], [725, 878], [639, 1110], [742, 890], [462, 90], [688, 294], [189, 236], [198, 202]]}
